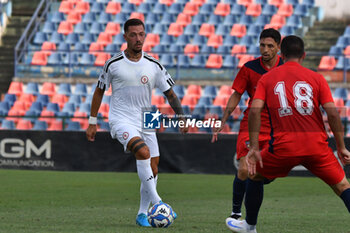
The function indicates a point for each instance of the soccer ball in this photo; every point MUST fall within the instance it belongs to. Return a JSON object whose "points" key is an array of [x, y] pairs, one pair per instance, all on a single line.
{"points": [[160, 215]]}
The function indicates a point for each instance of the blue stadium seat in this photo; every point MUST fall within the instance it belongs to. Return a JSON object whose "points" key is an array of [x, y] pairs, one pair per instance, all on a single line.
{"points": [[97, 7], [347, 32], [121, 18], [176, 48], [40, 125], [57, 17], [89, 17], [341, 92], [104, 125], [69, 108], [246, 19], [88, 38], [36, 107], [343, 63], [238, 9], [49, 27], [186, 109], [199, 19], [81, 28], [160, 29], [215, 19], [10, 98], [72, 38], [205, 49], [128, 7], [216, 110], [310, 3], [230, 61], [159, 8], [39, 38], [85, 107], [293, 2], [205, 101], [106, 99], [210, 91], [4, 108], [230, 20], [168, 18], [231, 2], [53, 107], [80, 89], [88, 98], [167, 60], [207, 9], [8, 124], [261, 2], [160, 48], [43, 99], [199, 112], [183, 40], [254, 50], [262, 20], [199, 40], [80, 47], [199, 61], [224, 49], [247, 40], [301, 10], [254, 30], [179, 91], [294, 21], [32, 88], [269, 10], [152, 18], [287, 30], [223, 29], [73, 126], [56, 38], [191, 29], [71, 59], [145, 8], [230, 40], [235, 126], [175, 8], [112, 48], [104, 18], [55, 58], [183, 60], [64, 89], [63, 47], [166, 39], [342, 42], [119, 39], [96, 28], [335, 51], [214, 2]]}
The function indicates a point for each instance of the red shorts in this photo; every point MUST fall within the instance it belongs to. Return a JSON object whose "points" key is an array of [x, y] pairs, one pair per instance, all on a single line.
{"points": [[326, 166], [242, 146]]}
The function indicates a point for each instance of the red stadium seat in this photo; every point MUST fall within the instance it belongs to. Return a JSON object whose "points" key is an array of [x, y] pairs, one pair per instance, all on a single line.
{"points": [[347, 51], [276, 3], [277, 21], [137, 15], [175, 29], [65, 28], [136, 2], [79, 117], [253, 9], [15, 88], [55, 125], [244, 59], [167, 110], [215, 41], [222, 9], [82, 7], [104, 38], [221, 100], [113, 8], [14, 115], [193, 89], [327, 63], [112, 28], [157, 100], [23, 124], [152, 39], [238, 30], [104, 109], [191, 9], [39, 58], [74, 17], [48, 88], [47, 116], [21, 106], [190, 100], [48, 48], [25, 97], [66, 7], [206, 30], [285, 10], [60, 99], [183, 19], [225, 90], [191, 50], [123, 46], [245, 2], [198, 2], [167, 2], [214, 61], [239, 50], [95, 48], [101, 59]]}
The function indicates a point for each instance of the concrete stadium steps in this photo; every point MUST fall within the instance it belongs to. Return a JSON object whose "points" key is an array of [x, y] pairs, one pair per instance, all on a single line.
{"points": [[13, 32], [320, 38]]}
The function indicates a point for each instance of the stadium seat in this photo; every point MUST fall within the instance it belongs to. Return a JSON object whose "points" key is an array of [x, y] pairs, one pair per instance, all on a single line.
{"points": [[238, 9], [215, 41], [48, 48], [337, 51], [199, 40], [225, 90], [49, 27], [198, 2], [179, 91], [15, 88], [66, 7], [176, 48], [112, 48], [214, 112], [144, 7], [23, 124], [167, 60], [230, 40], [43, 99], [102, 58], [57, 17], [152, 18], [206, 49], [269, 10], [73, 126], [72, 38], [64, 89], [137, 15], [191, 50], [343, 42], [96, 48], [254, 50], [14, 115], [214, 61], [160, 48], [97, 7], [294, 21], [247, 40], [244, 59], [214, 2], [199, 19], [4, 108], [277, 21], [48, 88], [229, 20], [8, 124], [168, 18], [191, 9], [152, 39], [190, 100], [175, 29], [193, 89], [341, 93], [82, 7], [246, 19], [223, 30], [39, 58], [285, 10], [245, 2], [74, 17], [40, 125], [87, 59], [159, 8], [65, 28], [215, 19], [104, 38], [206, 30], [55, 125], [36, 107], [276, 3], [222, 9], [89, 17], [221, 100], [209, 91], [56, 37], [238, 30], [112, 28], [198, 61], [230, 61], [55, 58], [191, 29], [160, 29], [28, 98], [103, 126], [183, 19], [254, 30], [301, 10], [199, 112], [32, 88], [262, 20], [287, 30], [113, 8], [175, 8], [253, 9]]}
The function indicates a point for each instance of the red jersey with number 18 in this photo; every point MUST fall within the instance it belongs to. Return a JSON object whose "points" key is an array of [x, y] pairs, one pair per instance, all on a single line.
{"points": [[293, 95]]}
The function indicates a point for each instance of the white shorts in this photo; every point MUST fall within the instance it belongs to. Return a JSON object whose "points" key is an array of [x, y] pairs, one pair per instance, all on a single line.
{"points": [[125, 132]]}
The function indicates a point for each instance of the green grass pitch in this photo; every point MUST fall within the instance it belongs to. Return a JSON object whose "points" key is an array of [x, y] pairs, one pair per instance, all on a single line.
{"points": [[74, 202]]}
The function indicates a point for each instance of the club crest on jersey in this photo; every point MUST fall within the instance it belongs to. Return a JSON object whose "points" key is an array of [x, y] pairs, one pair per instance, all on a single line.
{"points": [[125, 135], [144, 79]]}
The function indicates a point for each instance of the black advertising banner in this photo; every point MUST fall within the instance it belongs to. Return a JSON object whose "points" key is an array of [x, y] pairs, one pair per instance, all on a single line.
{"points": [[70, 151]]}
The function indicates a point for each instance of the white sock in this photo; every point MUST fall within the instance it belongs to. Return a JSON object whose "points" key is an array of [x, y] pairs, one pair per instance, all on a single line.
{"points": [[156, 180], [145, 174], [250, 227], [144, 201]]}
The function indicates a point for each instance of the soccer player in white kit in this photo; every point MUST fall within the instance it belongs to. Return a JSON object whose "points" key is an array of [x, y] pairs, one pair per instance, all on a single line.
{"points": [[132, 75]]}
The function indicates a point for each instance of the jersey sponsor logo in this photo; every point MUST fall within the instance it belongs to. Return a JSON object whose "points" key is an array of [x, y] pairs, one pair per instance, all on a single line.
{"points": [[144, 79], [125, 135]]}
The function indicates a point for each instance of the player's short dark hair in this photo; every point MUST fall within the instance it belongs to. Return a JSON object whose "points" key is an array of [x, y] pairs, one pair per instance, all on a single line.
{"points": [[292, 47], [132, 22], [273, 33]]}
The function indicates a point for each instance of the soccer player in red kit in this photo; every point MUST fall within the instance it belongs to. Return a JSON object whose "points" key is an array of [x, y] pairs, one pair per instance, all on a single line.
{"points": [[246, 80], [293, 96]]}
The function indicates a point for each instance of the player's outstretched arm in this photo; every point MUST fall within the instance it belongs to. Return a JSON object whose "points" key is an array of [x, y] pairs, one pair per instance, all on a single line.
{"points": [[176, 106], [338, 131], [230, 107], [95, 106]]}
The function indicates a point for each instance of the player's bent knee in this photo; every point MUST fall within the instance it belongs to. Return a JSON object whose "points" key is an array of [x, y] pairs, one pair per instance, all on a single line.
{"points": [[142, 152], [341, 186]]}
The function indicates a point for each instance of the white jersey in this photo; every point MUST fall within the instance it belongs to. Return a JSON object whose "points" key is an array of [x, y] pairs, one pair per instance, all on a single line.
{"points": [[132, 84]]}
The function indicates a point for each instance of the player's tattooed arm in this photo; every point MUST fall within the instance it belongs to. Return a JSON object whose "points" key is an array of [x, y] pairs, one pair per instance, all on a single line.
{"points": [[174, 101]]}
